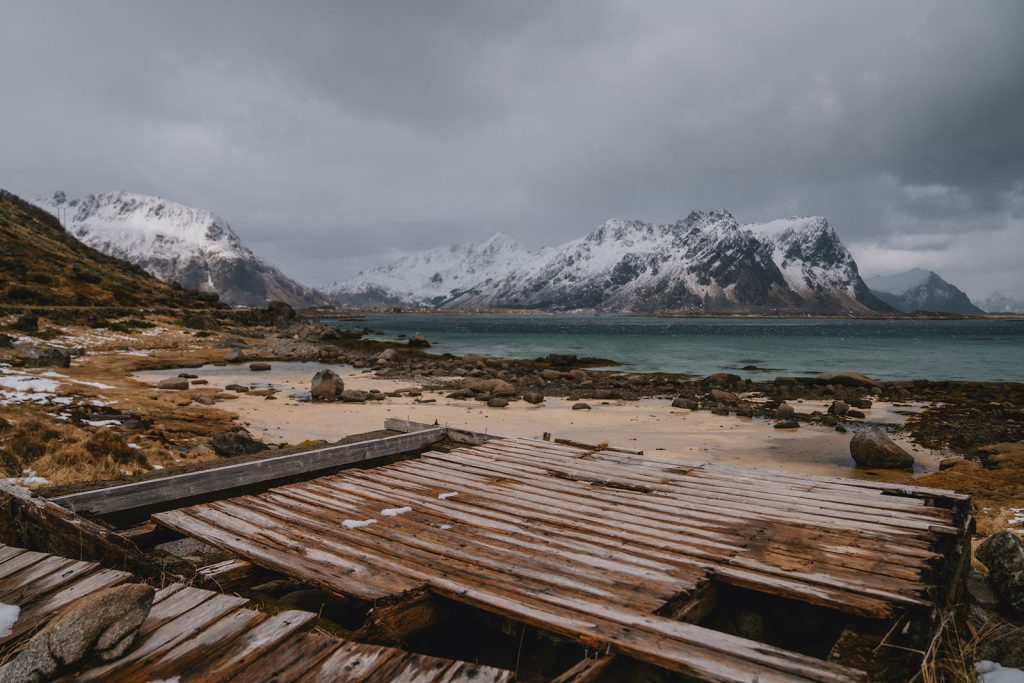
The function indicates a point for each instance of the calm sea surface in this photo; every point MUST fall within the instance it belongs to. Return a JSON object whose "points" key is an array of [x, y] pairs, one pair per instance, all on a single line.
{"points": [[886, 349]]}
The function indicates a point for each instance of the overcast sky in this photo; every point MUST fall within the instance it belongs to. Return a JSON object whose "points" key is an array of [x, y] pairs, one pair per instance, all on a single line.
{"points": [[333, 136]]}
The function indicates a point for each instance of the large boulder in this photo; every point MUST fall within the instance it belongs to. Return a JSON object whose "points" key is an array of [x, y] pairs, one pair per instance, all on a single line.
{"points": [[533, 397], [873, 448], [1003, 554], [723, 396], [6, 341], [353, 396], [419, 341], [326, 386], [785, 411], [235, 355], [27, 323], [100, 626], [45, 356], [839, 408], [846, 379], [231, 444], [259, 366], [175, 383]]}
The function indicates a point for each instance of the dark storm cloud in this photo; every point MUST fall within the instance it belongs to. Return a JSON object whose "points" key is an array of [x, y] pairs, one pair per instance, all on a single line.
{"points": [[332, 135]]}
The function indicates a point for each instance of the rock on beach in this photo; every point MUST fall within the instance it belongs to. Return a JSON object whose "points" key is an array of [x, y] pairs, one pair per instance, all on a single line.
{"points": [[873, 448]]}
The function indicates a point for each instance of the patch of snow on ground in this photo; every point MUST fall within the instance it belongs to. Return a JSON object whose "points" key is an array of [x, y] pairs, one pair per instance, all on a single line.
{"points": [[8, 618], [20, 387], [394, 512], [30, 479], [991, 672], [446, 496], [102, 423], [1018, 517], [357, 523]]}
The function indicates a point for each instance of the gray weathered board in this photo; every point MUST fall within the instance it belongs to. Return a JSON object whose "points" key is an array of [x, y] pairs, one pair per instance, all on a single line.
{"points": [[152, 495]]}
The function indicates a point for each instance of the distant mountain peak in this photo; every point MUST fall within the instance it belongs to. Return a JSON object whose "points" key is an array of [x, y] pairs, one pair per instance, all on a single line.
{"points": [[919, 289], [177, 243]]}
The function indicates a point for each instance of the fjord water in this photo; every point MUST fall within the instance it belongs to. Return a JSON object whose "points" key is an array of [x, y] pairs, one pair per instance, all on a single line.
{"points": [[977, 349]]}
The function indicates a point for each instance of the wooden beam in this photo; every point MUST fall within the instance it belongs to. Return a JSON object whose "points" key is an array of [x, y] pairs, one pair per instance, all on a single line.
{"points": [[152, 495], [453, 434], [33, 522], [587, 670], [597, 447], [232, 575], [394, 623], [692, 610]]}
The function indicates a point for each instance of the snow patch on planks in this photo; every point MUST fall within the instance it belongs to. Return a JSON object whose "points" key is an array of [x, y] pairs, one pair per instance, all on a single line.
{"points": [[164, 492], [592, 543], [199, 635]]}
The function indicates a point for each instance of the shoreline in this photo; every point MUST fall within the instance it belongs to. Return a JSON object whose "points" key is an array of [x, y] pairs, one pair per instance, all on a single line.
{"points": [[355, 313], [174, 428]]}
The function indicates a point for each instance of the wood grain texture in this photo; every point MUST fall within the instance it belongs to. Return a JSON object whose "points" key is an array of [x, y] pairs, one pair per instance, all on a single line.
{"points": [[598, 544], [199, 635]]}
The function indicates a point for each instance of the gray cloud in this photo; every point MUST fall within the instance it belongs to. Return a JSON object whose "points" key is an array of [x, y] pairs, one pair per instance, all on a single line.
{"points": [[334, 135]]}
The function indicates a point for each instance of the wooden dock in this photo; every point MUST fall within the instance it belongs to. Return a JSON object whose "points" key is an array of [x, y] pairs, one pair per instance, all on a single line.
{"points": [[199, 635], [610, 548]]}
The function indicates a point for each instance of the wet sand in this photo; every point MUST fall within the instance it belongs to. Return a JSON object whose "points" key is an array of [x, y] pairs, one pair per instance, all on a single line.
{"points": [[650, 424]]}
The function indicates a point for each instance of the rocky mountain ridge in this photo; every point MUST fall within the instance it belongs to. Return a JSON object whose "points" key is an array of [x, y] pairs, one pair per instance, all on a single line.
{"points": [[705, 262]]}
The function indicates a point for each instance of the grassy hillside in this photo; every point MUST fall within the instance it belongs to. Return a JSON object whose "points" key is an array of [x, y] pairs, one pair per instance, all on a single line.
{"points": [[42, 265]]}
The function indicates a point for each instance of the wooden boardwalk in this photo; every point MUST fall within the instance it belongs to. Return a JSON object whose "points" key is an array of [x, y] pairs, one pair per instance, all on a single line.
{"points": [[199, 635], [595, 543]]}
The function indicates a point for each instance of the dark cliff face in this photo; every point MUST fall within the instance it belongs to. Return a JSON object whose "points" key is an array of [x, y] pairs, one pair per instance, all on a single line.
{"points": [[932, 294]]}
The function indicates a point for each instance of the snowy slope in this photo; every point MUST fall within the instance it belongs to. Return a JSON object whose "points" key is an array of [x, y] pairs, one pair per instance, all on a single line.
{"points": [[177, 243], [431, 277], [815, 263], [704, 262], [1004, 301], [921, 290]]}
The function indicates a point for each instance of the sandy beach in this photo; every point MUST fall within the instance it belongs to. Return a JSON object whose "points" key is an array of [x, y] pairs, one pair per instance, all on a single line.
{"points": [[648, 424]]}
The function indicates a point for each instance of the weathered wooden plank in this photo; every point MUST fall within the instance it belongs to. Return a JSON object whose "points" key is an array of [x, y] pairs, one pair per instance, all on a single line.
{"points": [[394, 623], [453, 433], [253, 645], [590, 543], [153, 642], [24, 515], [165, 492], [587, 670], [231, 575]]}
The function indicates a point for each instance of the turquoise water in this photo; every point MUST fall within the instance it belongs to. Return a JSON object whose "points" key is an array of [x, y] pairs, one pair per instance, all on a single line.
{"points": [[886, 349]]}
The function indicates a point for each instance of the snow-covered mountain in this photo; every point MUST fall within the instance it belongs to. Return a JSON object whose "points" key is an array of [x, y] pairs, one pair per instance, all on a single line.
{"points": [[1004, 301], [177, 243], [816, 263], [432, 277], [920, 290], [705, 262]]}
